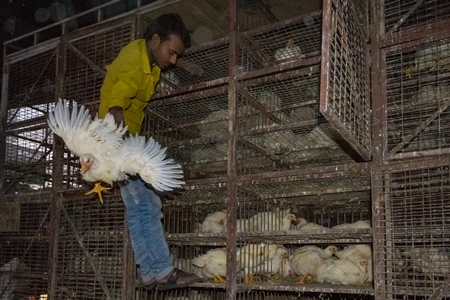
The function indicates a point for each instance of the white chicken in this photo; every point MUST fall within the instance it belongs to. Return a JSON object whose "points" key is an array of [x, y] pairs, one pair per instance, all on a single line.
{"points": [[253, 255], [286, 269], [212, 264], [312, 226], [214, 222], [435, 57], [430, 261], [356, 253], [288, 52], [342, 271], [8, 284], [270, 221], [272, 266], [300, 223], [354, 225], [105, 155], [242, 225], [305, 261]]}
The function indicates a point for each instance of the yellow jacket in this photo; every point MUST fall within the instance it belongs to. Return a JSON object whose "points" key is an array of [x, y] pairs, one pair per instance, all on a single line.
{"points": [[129, 83]]}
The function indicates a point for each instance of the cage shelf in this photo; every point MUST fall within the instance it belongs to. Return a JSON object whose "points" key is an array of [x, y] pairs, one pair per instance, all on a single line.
{"points": [[286, 287], [341, 236], [322, 288], [310, 237], [200, 239]]}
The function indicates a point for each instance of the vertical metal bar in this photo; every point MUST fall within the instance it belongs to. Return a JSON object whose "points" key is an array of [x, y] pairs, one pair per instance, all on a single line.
{"points": [[3, 120], [377, 257], [231, 285], [128, 274], [327, 23], [378, 102], [57, 183]]}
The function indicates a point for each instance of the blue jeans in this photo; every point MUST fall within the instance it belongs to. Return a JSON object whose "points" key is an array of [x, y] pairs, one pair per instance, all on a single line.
{"points": [[143, 211]]}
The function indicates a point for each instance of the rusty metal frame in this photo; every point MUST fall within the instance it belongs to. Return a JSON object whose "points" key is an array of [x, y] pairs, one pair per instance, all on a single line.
{"points": [[382, 227], [232, 205], [328, 23], [3, 120]]}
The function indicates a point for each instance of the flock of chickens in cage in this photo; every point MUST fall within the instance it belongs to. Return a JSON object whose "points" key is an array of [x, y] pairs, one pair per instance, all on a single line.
{"points": [[424, 264], [276, 263]]}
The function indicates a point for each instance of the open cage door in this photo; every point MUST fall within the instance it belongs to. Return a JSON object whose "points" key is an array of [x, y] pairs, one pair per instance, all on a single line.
{"points": [[345, 79]]}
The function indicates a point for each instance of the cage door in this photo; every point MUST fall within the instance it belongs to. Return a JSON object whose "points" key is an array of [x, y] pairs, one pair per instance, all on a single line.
{"points": [[345, 85]]}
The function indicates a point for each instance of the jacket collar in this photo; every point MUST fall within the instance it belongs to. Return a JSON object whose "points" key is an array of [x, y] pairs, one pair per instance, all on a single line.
{"points": [[155, 70]]}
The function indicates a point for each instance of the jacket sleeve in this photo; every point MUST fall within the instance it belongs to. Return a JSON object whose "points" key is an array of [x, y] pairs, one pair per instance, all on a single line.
{"points": [[126, 87]]}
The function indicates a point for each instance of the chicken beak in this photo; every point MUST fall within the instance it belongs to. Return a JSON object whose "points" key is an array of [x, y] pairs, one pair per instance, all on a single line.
{"points": [[84, 167]]}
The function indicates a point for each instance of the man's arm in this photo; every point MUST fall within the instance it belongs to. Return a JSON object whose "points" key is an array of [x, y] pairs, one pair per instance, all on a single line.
{"points": [[117, 113], [119, 116]]}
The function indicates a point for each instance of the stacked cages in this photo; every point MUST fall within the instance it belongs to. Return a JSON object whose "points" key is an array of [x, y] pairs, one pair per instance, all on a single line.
{"points": [[92, 242], [24, 248], [409, 193], [26, 174], [56, 242], [293, 166], [413, 227]]}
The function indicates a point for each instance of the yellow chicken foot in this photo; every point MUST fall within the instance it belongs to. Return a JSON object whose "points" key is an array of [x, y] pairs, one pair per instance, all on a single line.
{"points": [[302, 279], [248, 278], [431, 279], [218, 279], [98, 189], [409, 72]]}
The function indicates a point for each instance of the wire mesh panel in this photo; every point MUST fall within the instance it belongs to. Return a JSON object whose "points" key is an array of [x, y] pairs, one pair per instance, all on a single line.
{"points": [[294, 39], [204, 63], [281, 213], [87, 57], [413, 228], [281, 124], [24, 248], [185, 294], [403, 14], [281, 204], [188, 212], [91, 249], [418, 92], [275, 295], [345, 86], [30, 91]]}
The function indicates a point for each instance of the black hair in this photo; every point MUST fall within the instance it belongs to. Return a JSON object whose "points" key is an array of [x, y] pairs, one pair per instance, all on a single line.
{"points": [[167, 24]]}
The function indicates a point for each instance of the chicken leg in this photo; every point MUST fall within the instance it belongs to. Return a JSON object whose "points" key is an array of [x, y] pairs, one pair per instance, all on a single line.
{"points": [[304, 279], [248, 278], [98, 189], [409, 72], [218, 279]]}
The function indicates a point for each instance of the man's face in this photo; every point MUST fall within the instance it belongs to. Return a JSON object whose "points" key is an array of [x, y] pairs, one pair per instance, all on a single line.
{"points": [[165, 52]]}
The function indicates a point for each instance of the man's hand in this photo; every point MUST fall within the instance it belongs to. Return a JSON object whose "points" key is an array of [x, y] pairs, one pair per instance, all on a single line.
{"points": [[119, 116]]}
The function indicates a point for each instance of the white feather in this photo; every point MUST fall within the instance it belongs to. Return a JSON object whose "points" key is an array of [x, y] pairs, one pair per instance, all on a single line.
{"points": [[114, 157]]}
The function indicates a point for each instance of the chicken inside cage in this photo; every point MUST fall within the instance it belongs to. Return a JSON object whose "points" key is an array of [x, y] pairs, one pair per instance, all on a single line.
{"points": [[425, 265], [434, 58], [285, 264]]}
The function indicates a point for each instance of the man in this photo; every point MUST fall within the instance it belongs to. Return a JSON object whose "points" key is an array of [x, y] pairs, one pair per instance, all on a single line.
{"points": [[129, 84]]}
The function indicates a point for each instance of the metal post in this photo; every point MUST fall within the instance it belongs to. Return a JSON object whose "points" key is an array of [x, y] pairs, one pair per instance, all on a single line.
{"points": [[57, 183], [231, 285], [3, 121]]}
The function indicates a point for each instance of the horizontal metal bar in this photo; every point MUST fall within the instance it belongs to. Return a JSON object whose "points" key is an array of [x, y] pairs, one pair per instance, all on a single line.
{"points": [[62, 21], [322, 172], [422, 163], [312, 62], [419, 34]]}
